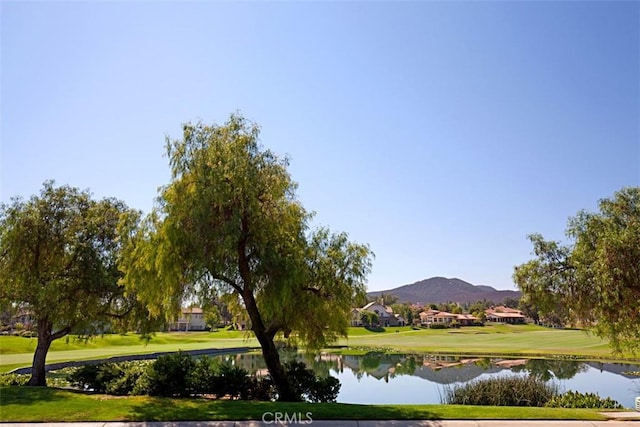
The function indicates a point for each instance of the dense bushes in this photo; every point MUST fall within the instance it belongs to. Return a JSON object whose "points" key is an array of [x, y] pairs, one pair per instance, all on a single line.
{"points": [[502, 391], [171, 375], [180, 375], [523, 391], [120, 379], [310, 387], [574, 399], [13, 380]]}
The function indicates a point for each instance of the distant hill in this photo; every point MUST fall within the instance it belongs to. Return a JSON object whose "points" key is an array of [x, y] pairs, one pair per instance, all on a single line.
{"points": [[440, 289]]}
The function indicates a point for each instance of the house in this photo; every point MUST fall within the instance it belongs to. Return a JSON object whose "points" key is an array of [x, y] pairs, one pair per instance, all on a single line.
{"points": [[191, 319], [467, 320], [432, 316], [502, 314], [385, 314], [427, 317]]}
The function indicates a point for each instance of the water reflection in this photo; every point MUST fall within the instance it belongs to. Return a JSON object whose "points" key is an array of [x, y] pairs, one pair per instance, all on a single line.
{"points": [[418, 378]]}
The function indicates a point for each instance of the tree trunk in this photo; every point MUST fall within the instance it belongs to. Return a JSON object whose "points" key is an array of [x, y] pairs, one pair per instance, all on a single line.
{"points": [[45, 337], [278, 375], [38, 373], [269, 351]]}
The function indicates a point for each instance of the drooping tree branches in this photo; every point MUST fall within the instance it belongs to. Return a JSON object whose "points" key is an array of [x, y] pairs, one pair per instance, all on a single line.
{"points": [[595, 279], [229, 219], [59, 264]]}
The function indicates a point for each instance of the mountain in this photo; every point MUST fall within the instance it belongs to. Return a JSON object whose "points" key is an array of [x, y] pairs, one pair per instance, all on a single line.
{"points": [[440, 289]]}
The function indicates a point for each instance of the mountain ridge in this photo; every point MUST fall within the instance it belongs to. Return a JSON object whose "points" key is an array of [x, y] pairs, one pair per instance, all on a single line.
{"points": [[442, 289]]}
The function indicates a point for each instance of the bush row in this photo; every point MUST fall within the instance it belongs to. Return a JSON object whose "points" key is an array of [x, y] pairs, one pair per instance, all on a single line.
{"points": [[522, 391], [181, 375]]}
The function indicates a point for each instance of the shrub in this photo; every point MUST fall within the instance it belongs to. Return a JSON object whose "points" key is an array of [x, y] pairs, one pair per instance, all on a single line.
{"points": [[308, 386], [13, 379], [502, 391], [88, 377], [258, 389], [119, 379], [169, 375], [131, 379], [230, 380], [437, 326], [574, 399], [203, 376]]}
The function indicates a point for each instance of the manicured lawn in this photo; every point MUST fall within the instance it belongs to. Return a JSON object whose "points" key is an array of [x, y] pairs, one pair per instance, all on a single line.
{"points": [[516, 340], [30, 404], [520, 340], [17, 352]]}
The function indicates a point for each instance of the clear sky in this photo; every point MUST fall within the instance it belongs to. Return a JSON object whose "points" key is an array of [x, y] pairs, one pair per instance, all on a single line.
{"points": [[442, 134]]}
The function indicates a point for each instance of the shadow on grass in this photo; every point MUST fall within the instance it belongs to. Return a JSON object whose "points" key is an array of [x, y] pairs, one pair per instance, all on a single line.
{"points": [[29, 396], [165, 409]]}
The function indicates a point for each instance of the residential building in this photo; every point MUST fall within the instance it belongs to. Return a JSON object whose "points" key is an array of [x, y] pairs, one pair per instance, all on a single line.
{"points": [[502, 314], [191, 319], [385, 314]]}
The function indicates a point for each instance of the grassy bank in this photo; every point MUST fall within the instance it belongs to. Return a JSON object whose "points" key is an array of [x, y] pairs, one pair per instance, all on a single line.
{"points": [[515, 340], [54, 405]]}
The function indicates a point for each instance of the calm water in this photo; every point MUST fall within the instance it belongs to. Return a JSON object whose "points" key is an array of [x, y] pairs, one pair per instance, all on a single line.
{"points": [[411, 378]]}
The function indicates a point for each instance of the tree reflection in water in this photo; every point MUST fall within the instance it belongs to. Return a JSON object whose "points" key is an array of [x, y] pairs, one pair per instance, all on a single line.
{"points": [[374, 368]]}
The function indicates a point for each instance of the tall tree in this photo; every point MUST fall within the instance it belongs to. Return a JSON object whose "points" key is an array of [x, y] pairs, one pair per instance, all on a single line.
{"points": [[58, 256], [229, 221], [595, 279]]}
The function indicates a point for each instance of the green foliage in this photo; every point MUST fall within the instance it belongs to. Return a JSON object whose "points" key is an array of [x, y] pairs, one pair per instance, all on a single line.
{"points": [[438, 326], [595, 280], [59, 263], [180, 375], [231, 380], [120, 379], [229, 222], [368, 318], [501, 391], [310, 387], [13, 380], [202, 376], [169, 375], [574, 399]]}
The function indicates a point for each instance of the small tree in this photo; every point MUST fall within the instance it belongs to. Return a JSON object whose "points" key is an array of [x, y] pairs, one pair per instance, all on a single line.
{"points": [[58, 261], [369, 318]]}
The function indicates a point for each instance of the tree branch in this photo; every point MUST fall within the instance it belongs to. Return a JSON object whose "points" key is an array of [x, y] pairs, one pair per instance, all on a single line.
{"points": [[61, 333], [228, 281]]}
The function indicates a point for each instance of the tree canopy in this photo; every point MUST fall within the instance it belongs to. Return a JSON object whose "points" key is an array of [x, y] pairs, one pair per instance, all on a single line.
{"points": [[229, 221], [58, 262], [595, 279]]}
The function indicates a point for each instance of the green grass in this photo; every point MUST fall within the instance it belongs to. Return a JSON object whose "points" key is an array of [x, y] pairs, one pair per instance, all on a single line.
{"points": [[34, 404], [16, 352], [514, 340]]}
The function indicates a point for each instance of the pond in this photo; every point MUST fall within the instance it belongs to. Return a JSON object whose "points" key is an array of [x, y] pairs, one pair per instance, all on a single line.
{"points": [[381, 378]]}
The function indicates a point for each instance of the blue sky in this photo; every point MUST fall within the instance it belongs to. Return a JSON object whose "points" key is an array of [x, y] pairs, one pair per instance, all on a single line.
{"points": [[442, 134]]}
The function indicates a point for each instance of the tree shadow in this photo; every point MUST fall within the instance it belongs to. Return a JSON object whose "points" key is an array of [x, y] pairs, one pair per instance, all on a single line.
{"points": [[30, 396]]}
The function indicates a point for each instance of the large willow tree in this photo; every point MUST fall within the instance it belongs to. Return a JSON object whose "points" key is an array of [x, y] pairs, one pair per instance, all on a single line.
{"points": [[595, 279], [229, 221], [58, 262]]}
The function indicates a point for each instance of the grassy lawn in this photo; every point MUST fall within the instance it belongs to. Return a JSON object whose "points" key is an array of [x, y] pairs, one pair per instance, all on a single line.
{"points": [[16, 352], [516, 340], [53, 405]]}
